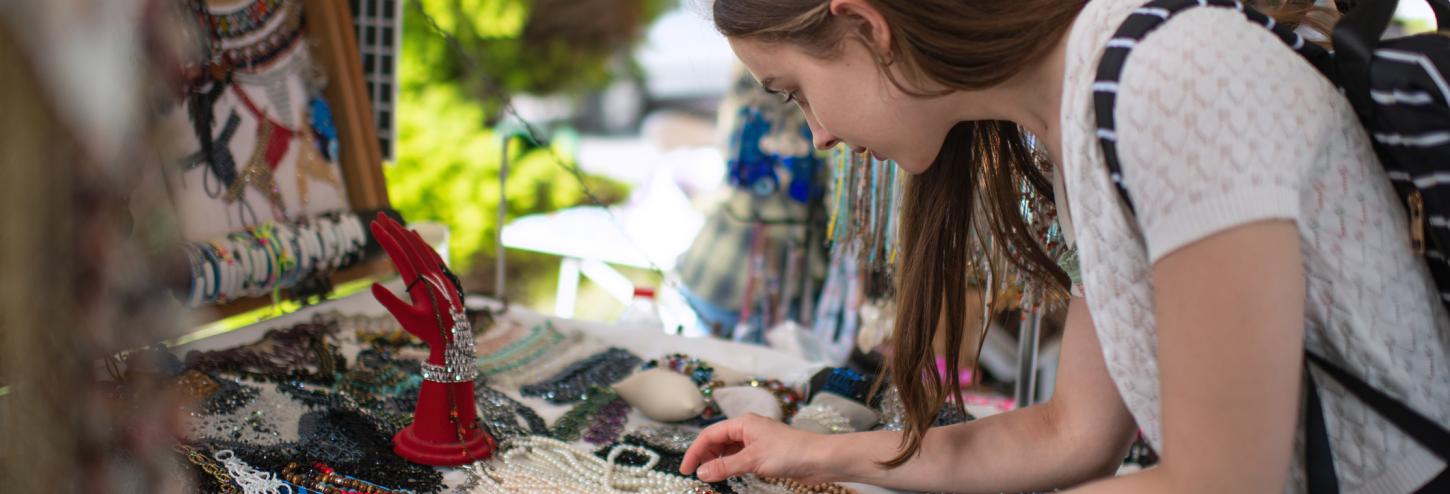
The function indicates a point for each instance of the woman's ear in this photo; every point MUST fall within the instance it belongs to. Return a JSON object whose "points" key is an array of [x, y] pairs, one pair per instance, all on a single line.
{"points": [[869, 20]]}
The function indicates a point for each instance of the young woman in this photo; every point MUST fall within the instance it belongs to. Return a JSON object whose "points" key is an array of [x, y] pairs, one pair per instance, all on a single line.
{"points": [[1264, 225]]}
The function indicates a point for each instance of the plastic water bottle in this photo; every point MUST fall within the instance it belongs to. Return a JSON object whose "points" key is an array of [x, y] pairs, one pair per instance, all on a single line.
{"points": [[641, 311]]}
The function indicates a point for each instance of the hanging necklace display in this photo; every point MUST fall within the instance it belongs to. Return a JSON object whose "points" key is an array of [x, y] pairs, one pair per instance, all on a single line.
{"points": [[277, 80], [273, 141], [866, 199], [311, 165], [219, 160], [210, 77]]}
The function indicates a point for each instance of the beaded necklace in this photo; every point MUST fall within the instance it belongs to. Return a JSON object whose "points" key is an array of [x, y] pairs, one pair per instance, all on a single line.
{"points": [[866, 197], [240, 22], [573, 383], [260, 54], [273, 141], [668, 438], [541, 340], [599, 418], [771, 485], [218, 474], [219, 159], [346, 439], [501, 414], [281, 355]]}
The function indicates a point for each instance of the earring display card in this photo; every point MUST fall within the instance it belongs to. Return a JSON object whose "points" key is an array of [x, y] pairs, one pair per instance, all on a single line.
{"points": [[379, 26]]}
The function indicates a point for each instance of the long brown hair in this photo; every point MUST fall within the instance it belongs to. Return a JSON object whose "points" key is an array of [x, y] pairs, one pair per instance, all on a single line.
{"points": [[975, 186]]}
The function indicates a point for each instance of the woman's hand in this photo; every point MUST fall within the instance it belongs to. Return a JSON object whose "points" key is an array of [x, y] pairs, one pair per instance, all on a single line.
{"points": [[758, 445]]}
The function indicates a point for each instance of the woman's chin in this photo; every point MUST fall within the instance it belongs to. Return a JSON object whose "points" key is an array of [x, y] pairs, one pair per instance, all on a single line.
{"points": [[913, 167]]}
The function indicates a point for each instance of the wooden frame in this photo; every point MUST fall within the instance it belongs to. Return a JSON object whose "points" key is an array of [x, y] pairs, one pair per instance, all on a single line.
{"points": [[329, 28]]}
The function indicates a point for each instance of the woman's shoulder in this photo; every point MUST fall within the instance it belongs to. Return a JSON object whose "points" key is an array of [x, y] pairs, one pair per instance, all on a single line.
{"points": [[1214, 44], [1215, 73]]}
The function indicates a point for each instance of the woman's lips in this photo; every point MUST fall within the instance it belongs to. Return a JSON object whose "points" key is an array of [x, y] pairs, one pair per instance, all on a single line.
{"points": [[873, 153]]}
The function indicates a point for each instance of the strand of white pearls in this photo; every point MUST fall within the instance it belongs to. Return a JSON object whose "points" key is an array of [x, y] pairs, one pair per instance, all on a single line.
{"points": [[543, 464], [251, 480]]}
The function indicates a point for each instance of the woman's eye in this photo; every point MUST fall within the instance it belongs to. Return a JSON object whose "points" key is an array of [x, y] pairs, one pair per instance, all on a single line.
{"points": [[790, 97]]}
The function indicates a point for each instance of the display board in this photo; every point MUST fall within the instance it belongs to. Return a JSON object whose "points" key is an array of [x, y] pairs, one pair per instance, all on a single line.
{"points": [[275, 129]]}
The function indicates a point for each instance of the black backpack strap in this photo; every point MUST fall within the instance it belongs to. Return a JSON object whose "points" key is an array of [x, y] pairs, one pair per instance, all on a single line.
{"points": [[1318, 453], [1137, 26], [1421, 429], [1319, 463]]}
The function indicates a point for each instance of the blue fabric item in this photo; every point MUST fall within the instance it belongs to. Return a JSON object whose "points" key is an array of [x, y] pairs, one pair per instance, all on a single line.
{"points": [[711, 316]]}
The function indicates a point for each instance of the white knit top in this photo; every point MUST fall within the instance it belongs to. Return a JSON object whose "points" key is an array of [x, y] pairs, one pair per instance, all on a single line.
{"points": [[1219, 124]]}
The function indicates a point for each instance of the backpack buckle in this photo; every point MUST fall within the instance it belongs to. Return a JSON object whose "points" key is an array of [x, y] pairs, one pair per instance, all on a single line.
{"points": [[1417, 222]]}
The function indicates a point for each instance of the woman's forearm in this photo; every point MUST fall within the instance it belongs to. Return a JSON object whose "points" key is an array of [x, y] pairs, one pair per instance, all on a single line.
{"points": [[1022, 450]]}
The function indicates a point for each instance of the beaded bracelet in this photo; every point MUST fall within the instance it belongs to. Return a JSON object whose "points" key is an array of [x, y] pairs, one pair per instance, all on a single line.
{"points": [[848, 383], [326, 480], [788, 397], [701, 373]]}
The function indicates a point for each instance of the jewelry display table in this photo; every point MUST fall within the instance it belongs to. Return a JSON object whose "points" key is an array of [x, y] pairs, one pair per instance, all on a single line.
{"points": [[361, 313]]}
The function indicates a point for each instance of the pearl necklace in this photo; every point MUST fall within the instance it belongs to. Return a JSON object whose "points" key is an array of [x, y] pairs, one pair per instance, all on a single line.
{"points": [[543, 464]]}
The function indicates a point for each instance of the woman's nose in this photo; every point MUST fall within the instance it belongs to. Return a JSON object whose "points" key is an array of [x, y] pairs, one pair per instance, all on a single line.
{"points": [[821, 139]]}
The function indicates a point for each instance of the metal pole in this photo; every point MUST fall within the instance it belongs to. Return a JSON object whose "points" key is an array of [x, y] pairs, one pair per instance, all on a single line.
{"points": [[1028, 338], [503, 207]]}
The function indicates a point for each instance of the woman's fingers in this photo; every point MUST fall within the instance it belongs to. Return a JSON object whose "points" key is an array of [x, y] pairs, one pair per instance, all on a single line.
{"points": [[724, 467], [713, 442]]}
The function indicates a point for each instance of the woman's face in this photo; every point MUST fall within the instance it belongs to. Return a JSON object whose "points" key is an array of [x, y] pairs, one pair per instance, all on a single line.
{"points": [[847, 99]]}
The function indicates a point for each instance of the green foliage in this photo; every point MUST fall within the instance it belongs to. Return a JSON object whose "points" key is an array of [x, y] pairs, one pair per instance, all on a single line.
{"points": [[523, 46], [447, 166], [448, 170]]}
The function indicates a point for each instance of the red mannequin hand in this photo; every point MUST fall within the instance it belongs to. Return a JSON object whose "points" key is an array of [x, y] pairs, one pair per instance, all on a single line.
{"points": [[422, 269]]}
